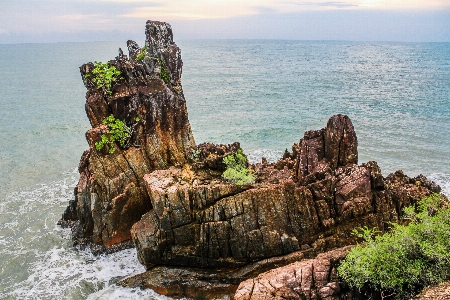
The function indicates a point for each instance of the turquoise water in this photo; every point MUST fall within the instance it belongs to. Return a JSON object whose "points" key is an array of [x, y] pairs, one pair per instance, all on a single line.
{"points": [[264, 94]]}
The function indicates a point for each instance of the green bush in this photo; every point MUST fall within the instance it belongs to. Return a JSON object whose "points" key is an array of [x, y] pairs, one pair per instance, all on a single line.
{"points": [[104, 76], [143, 54], [163, 75], [405, 259], [117, 132], [236, 170]]}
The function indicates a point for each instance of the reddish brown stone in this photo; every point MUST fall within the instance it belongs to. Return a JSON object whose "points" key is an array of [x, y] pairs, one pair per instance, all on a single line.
{"points": [[307, 279], [111, 195]]}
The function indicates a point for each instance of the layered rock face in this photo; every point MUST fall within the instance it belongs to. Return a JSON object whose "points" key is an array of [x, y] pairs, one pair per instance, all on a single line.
{"points": [[308, 279], [111, 194], [312, 198]]}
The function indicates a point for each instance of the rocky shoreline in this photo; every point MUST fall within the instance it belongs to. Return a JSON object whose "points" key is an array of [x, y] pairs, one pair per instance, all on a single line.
{"points": [[197, 234]]}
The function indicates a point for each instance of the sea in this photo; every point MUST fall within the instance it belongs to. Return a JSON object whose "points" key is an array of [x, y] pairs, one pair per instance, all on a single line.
{"points": [[263, 93]]}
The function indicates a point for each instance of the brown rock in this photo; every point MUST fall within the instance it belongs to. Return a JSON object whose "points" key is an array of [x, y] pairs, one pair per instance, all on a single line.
{"points": [[307, 279], [181, 212], [198, 220], [340, 142], [205, 283], [111, 194], [331, 147], [437, 292], [220, 224]]}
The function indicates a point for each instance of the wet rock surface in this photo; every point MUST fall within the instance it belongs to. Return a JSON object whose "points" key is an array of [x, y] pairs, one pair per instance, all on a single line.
{"points": [[206, 283]]}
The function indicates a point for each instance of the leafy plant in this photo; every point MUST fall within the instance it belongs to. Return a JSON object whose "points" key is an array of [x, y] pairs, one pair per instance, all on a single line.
{"points": [[104, 75], [405, 259], [366, 233], [163, 75], [117, 132], [237, 171], [143, 54], [194, 154]]}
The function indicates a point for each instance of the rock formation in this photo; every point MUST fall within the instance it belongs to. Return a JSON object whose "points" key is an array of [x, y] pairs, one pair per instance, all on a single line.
{"points": [[312, 198], [111, 193], [307, 279], [166, 194]]}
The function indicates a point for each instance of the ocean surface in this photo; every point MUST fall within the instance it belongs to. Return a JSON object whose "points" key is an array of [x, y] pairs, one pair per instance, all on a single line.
{"points": [[264, 94]]}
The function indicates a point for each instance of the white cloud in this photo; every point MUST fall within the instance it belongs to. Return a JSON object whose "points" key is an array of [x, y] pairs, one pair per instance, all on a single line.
{"points": [[76, 17], [35, 18]]}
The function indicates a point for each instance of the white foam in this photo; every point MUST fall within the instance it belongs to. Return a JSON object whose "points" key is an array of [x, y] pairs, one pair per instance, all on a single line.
{"points": [[66, 273], [52, 269], [443, 180], [39, 260], [255, 156], [116, 292]]}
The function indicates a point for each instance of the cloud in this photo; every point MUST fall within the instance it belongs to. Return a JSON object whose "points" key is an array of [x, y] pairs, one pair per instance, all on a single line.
{"points": [[78, 20], [327, 4], [77, 17], [152, 12], [263, 9]]}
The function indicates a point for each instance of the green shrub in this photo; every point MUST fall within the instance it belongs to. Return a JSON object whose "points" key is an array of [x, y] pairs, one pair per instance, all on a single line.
{"points": [[143, 54], [104, 76], [117, 132], [236, 170], [163, 75], [405, 259]]}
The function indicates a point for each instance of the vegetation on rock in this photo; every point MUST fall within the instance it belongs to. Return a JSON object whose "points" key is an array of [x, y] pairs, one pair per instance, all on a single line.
{"points": [[117, 132], [163, 75], [407, 258], [237, 171], [104, 75], [143, 54]]}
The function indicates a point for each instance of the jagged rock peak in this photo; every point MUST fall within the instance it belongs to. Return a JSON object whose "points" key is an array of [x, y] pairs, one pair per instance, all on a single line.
{"points": [[212, 223], [331, 147], [341, 144], [159, 37], [133, 49], [147, 97]]}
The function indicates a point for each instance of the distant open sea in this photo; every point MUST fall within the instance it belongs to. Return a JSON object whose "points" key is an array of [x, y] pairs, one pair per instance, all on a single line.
{"points": [[264, 94]]}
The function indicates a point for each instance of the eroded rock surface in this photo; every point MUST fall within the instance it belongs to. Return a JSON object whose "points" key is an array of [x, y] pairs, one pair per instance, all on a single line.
{"points": [[308, 279], [111, 194], [206, 283], [312, 198], [437, 292]]}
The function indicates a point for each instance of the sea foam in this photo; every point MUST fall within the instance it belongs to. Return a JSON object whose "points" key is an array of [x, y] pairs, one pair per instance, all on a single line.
{"points": [[38, 260]]}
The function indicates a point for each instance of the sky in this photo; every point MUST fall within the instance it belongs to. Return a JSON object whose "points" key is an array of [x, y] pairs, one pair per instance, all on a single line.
{"points": [[31, 21]]}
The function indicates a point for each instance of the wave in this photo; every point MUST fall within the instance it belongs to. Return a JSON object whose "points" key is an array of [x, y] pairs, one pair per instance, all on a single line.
{"points": [[255, 156], [443, 180], [38, 260]]}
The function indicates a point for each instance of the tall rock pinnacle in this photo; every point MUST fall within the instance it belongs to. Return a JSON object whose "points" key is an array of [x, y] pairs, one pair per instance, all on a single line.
{"points": [[147, 97]]}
